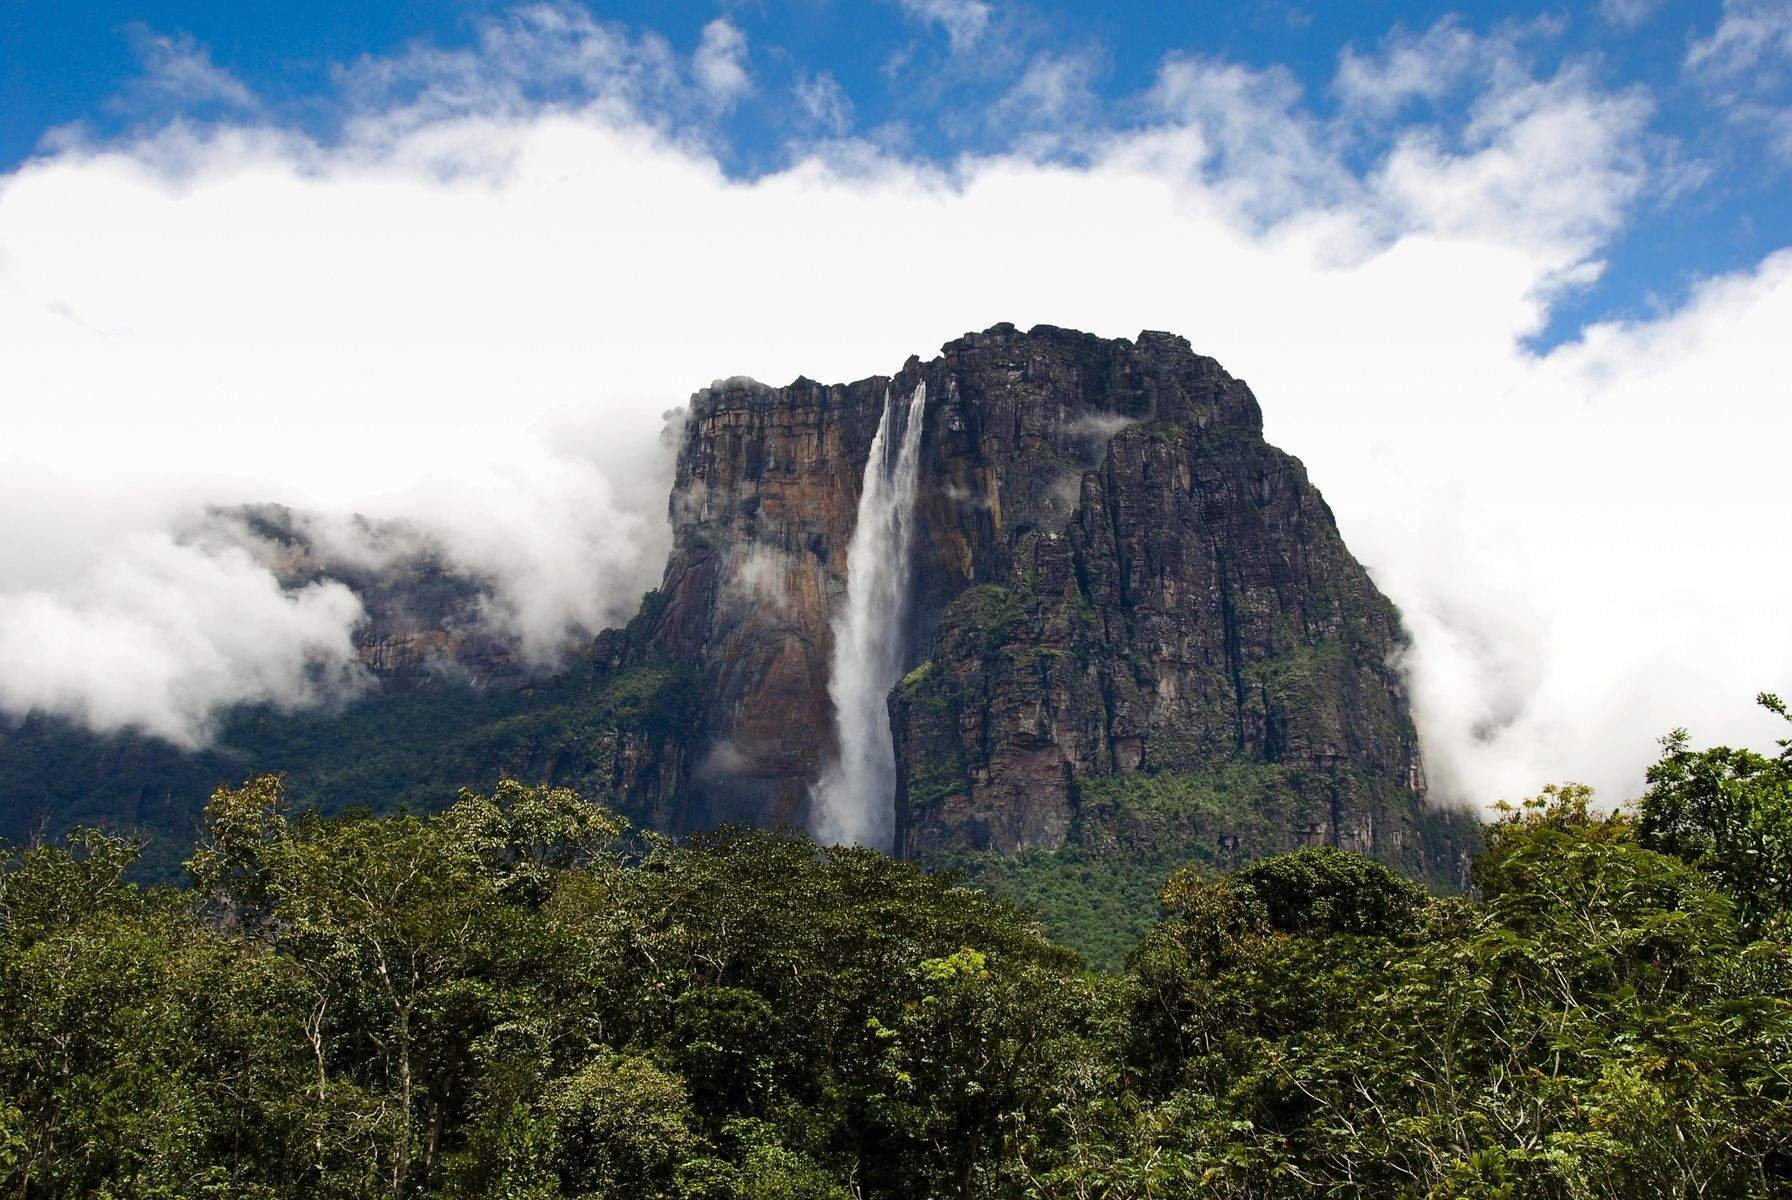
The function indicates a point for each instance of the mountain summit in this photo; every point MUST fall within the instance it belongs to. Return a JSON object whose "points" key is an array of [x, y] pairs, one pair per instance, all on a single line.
{"points": [[1113, 574], [1104, 614]]}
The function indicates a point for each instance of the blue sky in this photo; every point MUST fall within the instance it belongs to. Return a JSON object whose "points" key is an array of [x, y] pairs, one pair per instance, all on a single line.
{"points": [[1720, 195], [1514, 283]]}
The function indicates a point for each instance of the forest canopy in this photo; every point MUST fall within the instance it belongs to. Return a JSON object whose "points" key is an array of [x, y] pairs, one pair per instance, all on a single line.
{"points": [[523, 997]]}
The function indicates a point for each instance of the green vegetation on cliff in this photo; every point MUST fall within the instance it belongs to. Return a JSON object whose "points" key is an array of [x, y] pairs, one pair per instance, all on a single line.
{"points": [[1098, 893], [520, 997]]}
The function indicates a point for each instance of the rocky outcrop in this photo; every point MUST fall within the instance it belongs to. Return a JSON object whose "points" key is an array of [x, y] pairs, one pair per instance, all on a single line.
{"points": [[424, 619], [763, 506], [1165, 596], [1114, 575], [1134, 629]]}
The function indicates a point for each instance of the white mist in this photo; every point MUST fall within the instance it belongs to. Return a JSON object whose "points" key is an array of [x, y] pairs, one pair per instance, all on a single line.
{"points": [[855, 798]]}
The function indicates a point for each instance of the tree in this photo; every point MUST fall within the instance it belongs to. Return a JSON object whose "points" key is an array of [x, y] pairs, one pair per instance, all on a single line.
{"points": [[1593, 1027], [1322, 890], [408, 930], [514, 999], [143, 1051], [1729, 813]]}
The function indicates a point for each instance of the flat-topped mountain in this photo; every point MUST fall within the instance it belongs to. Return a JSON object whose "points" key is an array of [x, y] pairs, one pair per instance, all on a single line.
{"points": [[1107, 616], [1113, 574]]}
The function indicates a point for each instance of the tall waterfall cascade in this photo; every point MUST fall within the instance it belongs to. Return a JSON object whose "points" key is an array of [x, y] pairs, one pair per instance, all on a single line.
{"points": [[855, 799]]}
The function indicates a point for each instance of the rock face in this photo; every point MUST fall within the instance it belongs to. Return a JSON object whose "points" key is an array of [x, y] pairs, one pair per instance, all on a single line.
{"points": [[1134, 631], [1114, 574], [424, 619], [763, 506]]}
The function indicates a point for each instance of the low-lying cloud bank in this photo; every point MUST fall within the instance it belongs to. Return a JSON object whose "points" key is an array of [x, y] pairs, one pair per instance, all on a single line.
{"points": [[162, 634], [472, 305]]}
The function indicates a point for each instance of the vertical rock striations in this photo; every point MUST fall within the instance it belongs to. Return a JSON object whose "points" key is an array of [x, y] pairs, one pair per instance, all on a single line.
{"points": [[1114, 576], [763, 509]]}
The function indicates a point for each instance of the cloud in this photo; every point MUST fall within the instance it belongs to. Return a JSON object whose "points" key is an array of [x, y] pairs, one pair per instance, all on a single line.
{"points": [[471, 303], [1753, 36], [721, 760], [720, 63], [1422, 66], [553, 55], [1745, 68], [567, 540], [160, 636], [1055, 92], [1623, 587], [824, 103], [1099, 427], [1628, 14], [1247, 134], [964, 21], [1007, 77], [177, 70], [1556, 162], [759, 575], [1552, 162]]}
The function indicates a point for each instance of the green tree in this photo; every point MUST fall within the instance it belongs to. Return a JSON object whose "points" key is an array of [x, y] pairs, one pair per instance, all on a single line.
{"points": [[414, 934], [516, 999], [143, 1052], [1729, 813], [1597, 1025]]}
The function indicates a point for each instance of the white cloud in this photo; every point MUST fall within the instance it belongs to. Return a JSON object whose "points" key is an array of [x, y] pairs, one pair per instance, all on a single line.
{"points": [[759, 575], [720, 63], [1745, 68], [1610, 568], [964, 21], [161, 635], [1246, 133], [473, 309], [1055, 92], [1754, 37], [1628, 14], [536, 56], [1447, 62], [1407, 66], [824, 103], [177, 69], [1553, 162], [722, 759]]}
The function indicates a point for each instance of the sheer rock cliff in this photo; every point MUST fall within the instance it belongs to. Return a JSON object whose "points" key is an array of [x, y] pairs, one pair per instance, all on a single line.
{"points": [[1135, 631], [1114, 575]]}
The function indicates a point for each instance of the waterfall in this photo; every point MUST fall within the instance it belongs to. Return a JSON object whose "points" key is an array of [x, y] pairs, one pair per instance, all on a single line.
{"points": [[855, 798]]}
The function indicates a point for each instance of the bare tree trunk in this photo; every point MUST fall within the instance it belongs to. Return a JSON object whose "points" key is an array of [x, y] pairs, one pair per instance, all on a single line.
{"points": [[401, 1158], [314, 1033]]}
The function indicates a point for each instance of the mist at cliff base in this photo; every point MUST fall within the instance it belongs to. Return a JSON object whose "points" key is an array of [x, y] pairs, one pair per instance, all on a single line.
{"points": [[478, 322]]}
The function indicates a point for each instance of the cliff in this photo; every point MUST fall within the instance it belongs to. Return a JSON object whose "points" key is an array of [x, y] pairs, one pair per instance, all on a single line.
{"points": [[424, 619], [1114, 575], [1135, 637], [763, 506]]}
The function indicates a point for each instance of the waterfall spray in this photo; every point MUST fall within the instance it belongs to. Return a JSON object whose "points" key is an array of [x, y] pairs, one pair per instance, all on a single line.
{"points": [[855, 799]]}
